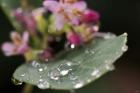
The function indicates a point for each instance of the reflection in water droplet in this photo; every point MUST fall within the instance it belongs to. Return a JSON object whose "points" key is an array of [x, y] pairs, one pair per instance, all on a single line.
{"points": [[124, 48], [96, 73], [16, 82], [78, 84], [42, 84]]}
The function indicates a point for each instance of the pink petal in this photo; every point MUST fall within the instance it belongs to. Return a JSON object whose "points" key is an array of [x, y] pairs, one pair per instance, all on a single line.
{"points": [[15, 34], [25, 37], [22, 49], [51, 5], [59, 22], [80, 5], [8, 48]]}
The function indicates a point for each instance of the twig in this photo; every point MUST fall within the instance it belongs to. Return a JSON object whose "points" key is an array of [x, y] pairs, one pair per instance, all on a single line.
{"points": [[27, 88]]}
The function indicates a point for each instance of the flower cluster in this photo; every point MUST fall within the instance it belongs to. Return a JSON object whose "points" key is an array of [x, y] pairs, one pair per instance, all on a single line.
{"points": [[57, 23]]}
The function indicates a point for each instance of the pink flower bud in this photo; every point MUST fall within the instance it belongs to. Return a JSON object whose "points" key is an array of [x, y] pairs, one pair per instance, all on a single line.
{"points": [[73, 38], [46, 54], [90, 16]]}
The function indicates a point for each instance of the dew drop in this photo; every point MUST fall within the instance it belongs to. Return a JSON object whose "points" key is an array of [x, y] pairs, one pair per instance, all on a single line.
{"points": [[16, 82], [73, 77], [35, 64], [96, 73], [22, 75], [125, 48], [72, 46], [42, 84], [64, 72], [40, 69], [78, 84], [54, 74], [110, 67], [65, 68]]}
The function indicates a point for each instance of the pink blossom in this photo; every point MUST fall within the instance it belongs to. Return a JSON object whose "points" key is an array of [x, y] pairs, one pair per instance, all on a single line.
{"points": [[65, 12], [25, 19], [19, 44]]}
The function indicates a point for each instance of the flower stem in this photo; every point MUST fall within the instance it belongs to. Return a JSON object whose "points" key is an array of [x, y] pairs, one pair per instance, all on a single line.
{"points": [[72, 91], [27, 88]]}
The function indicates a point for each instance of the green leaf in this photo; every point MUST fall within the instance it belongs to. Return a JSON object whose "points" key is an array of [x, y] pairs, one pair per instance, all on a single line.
{"points": [[77, 68], [9, 5]]}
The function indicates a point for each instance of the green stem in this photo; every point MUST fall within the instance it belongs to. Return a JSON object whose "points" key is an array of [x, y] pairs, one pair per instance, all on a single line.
{"points": [[27, 88], [72, 91]]}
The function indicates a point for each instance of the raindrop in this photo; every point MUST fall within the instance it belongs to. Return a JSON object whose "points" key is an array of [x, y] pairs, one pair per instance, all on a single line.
{"points": [[96, 73], [110, 67], [125, 48], [64, 72], [42, 84], [54, 74], [35, 64], [78, 84], [22, 75], [16, 82], [65, 68], [40, 69], [72, 46], [73, 77]]}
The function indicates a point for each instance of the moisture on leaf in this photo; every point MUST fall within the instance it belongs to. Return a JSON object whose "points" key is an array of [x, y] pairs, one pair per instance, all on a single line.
{"points": [[76, 68]]}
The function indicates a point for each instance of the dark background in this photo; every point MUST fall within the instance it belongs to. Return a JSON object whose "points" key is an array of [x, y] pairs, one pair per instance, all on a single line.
{"points": [[117, 16]]}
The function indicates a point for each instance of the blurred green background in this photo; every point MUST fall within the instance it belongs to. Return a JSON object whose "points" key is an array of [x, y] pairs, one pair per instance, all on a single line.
{"points": [[117, 16]]}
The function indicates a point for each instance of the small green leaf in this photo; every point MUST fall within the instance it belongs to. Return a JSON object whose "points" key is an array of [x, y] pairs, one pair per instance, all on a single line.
{"points": [[77, 68]]}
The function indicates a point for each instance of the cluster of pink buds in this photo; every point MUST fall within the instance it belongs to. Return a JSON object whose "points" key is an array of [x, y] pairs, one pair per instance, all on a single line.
{"points": [[69, 18]]}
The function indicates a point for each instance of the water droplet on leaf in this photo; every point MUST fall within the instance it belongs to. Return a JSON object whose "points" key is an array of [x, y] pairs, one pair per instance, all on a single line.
{"points": [[96, 73], [22, 75], [78, 84], [35, 64], [42, 84], [16, 82], [54, 74], [40, 69], [72, 46], [124, 48]]}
